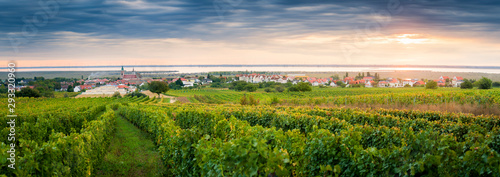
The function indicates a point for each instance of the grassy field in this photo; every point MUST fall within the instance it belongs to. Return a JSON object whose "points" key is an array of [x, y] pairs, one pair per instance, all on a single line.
{"points": [[131, 153]]}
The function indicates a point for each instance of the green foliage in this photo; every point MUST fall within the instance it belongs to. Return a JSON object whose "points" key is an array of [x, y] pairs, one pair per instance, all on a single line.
{"points": [[242, 86], [116, 95], [280, 89], [136, 94], [70, 88], [158, 87], [431, 85], [179, 82], [301, 87], [275, 101], [466, 84], [248, 100], [174, 86], [28, 92], [251, 88], [61, 137], [496, 84], [484, 83], [234, 140]]}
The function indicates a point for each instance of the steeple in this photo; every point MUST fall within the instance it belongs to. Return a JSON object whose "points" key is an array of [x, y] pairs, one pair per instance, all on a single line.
{"points": [[123, 72]]}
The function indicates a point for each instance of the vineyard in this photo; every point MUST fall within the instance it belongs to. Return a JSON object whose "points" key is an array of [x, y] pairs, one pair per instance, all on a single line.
{"points": [[350, 96], [213, 137]]}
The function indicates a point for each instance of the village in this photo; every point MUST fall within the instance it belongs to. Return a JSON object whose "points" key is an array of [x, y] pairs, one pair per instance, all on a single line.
{"points": [[129, 82]]}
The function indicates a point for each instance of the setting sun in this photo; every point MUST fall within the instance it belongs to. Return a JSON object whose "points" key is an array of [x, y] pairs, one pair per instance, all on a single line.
{"points": [[411, 38]]}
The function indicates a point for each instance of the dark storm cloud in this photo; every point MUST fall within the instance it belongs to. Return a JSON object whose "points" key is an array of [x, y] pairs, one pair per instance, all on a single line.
{"points": [[202, 18]]}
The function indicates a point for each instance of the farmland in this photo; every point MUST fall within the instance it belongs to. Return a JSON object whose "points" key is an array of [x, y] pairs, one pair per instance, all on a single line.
{"points": [[325, 132]]}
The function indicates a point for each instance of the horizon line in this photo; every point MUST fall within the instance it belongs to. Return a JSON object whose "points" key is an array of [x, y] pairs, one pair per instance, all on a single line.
{"points": [[265, 65]]}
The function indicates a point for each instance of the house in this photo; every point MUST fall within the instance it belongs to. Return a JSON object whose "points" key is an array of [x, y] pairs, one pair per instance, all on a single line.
{"points": [[408, 82], [440, 82], [77, 89], [348, 79], [457, 81], [368, 78], [394, 83], [444, 78], [206, 81], [369, 83], [85, 87], [383, 84], [64, 87], [419, 83]]}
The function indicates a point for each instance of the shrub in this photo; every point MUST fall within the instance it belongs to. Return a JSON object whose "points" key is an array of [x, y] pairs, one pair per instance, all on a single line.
{"points": [[485, 83], [301, 87], [496, 84], [136, 94], [116, 95], [431, 85], [466, 85], [28, 92], [268, 90], [251, 88]]}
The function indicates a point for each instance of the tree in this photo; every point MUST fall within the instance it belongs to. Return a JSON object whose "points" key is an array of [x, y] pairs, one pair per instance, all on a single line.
{"points": [[304, 87], [57, 85], [431, 85], [301, 87], [346, 74], [158, 87], [335, 77], [466, 84], [368, 74], [28, 92], [178, 82], [251, 88], [496, 84], [485, 83], [70, 88]]}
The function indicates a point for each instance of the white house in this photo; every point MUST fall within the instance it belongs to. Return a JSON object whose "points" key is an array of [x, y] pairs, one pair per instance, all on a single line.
{"points": [[457, 81], [77, 89]]}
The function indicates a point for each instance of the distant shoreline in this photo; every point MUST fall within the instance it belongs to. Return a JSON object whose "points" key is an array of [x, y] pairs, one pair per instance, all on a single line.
{"points": [[270, 65]]}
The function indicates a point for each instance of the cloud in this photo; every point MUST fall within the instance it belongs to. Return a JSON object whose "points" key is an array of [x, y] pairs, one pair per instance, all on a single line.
{"points": [[243, 23]]}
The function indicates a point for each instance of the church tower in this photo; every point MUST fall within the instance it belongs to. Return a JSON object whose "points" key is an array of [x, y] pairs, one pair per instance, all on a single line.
{"points": [[123, 72]]}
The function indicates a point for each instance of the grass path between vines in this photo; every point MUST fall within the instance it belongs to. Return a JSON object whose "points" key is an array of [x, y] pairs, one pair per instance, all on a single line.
{"points": [[131, 153]]}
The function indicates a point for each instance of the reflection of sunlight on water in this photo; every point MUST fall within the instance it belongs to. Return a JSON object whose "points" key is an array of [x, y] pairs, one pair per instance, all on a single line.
{"points": [[272, 68]]}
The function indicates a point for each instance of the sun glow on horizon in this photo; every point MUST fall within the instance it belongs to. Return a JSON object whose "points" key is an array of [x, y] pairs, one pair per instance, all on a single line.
{"points": [[411, 38]]}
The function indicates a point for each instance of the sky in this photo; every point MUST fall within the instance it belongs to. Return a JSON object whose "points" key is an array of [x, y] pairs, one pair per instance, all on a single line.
{"points": [[194, 32]]}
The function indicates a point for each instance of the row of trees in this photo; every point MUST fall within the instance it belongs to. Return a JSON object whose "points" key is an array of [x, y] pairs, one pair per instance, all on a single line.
{"points": [[483, 83]]}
